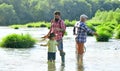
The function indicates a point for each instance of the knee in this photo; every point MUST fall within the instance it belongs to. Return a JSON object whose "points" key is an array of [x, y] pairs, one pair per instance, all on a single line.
{"points": [[62, 53]]}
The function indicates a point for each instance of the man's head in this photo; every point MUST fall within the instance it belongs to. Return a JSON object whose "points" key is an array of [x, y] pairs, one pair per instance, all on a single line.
{"points": [[83, 18], [57, 15]]}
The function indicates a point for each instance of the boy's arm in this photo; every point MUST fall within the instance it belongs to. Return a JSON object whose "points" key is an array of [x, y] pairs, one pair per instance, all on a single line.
{"points": [[43, 45]]}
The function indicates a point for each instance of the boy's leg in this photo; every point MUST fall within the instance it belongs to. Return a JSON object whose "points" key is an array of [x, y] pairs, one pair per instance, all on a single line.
{"points": [[54, 57], [62, 53], [49, 57]]}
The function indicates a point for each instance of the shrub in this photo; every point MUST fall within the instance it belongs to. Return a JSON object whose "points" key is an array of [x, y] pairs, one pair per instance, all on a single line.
{"points": [[105, 28], [43, 25], [69, 23], [16, 27], [117, 32], [30, 26], [104, 35], [17, 41], [92, 28]]}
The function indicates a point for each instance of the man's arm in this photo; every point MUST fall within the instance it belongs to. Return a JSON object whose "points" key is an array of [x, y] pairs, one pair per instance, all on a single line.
{"points": [[88, 30], [46, 36], [63, 27]]}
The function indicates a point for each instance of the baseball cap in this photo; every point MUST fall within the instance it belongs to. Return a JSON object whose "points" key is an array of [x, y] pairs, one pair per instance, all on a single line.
{"points": [[83, 16]]}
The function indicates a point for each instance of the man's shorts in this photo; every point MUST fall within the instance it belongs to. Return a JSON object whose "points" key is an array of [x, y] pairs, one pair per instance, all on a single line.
{"points": [[51, 55], [80, 47], [60, 45]]}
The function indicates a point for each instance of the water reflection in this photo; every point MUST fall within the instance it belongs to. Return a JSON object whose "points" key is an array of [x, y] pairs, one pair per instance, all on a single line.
{"points": [[80, 67], [51, 67], [62, 68]]}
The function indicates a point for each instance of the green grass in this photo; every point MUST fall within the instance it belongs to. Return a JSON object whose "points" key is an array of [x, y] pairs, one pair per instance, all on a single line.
{"points": [[18, 41]]}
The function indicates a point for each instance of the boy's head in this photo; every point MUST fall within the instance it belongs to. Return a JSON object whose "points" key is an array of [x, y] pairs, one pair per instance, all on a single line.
{"points": [[52, 35]]}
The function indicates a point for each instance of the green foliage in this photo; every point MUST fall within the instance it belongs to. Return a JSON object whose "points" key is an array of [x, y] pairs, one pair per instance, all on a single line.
{"points": [[106, 21], [16, 26], [25, 11], [7, 14], [43, 25], [117, 32], [69, 23], [17, 41], [104, 35], [91, 27]]}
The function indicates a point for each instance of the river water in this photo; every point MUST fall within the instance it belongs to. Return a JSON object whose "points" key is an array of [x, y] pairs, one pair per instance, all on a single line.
{"points": [[99, 56]]}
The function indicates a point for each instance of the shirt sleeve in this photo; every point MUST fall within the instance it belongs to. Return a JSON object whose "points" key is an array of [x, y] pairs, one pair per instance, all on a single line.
{"points": [[48, 43], [63, 25], [56, 42], [84, 27]]}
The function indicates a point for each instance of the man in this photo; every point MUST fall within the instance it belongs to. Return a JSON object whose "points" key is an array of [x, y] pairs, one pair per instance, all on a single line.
{"points": [[81, 36], [58, 28]]}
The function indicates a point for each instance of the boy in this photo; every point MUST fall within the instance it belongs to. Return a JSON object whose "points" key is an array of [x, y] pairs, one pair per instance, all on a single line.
{"points": [[52, 43]]}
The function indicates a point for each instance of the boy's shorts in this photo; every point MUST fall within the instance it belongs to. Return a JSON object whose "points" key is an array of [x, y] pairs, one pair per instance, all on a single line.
{"points": [[60, 45], [51, 55]]}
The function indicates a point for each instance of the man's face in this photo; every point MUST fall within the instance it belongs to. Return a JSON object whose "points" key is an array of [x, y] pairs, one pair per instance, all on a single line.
{"points": [[83, 19], [57, 16]]}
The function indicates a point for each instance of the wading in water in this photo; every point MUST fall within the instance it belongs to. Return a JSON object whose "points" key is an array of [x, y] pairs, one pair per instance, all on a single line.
{"points": [[52, 43], [81, 30], [58, 28]]}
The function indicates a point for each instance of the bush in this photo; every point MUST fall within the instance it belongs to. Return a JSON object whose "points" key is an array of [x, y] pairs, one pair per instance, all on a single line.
{"points": [[43, 25], [104, 35], [92, 28], [117, 32], [105, 28], [17, 41], [16, 27], [30, 26], [70, 23]]}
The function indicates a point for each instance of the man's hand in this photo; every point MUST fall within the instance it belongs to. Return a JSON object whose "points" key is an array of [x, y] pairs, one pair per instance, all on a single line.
{"points": [[96, 34], [58, 29]]}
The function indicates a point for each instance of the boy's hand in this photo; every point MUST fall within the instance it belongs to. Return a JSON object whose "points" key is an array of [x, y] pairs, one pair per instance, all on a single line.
{"points": [[41, 45]]}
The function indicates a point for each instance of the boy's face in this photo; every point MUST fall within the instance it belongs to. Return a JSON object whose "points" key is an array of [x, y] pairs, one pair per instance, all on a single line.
{"points": [[53, 38]]}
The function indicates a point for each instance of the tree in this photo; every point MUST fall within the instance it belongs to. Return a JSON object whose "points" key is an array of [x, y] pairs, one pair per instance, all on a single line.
{"points": [[7, 15]]}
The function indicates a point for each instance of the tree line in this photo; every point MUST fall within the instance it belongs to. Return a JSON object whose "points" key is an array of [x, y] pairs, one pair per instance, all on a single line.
{"points": [[24, 11]]}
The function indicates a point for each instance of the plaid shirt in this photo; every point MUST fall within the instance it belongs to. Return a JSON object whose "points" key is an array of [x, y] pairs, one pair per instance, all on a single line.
{"points": [[60, 24], [82, 32]]}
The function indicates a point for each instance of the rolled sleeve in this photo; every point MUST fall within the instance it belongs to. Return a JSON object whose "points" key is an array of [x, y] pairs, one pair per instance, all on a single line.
{"points": [[63, 25], [84, 27]]}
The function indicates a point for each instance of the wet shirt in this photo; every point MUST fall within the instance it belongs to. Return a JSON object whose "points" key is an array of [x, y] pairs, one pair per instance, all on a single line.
{"points": [[82, 32], [52, 45], [60, 24]]}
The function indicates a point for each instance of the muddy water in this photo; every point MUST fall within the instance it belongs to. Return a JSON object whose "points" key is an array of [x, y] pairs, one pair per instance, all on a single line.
{"points": [[99, 56]]}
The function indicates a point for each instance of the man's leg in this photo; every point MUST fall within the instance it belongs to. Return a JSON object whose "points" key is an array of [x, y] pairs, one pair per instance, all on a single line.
{"points": [[80, 51], [62, 53]]}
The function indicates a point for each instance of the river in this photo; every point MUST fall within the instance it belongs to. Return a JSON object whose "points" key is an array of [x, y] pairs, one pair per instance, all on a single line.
{"points": [[99, 56]]}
